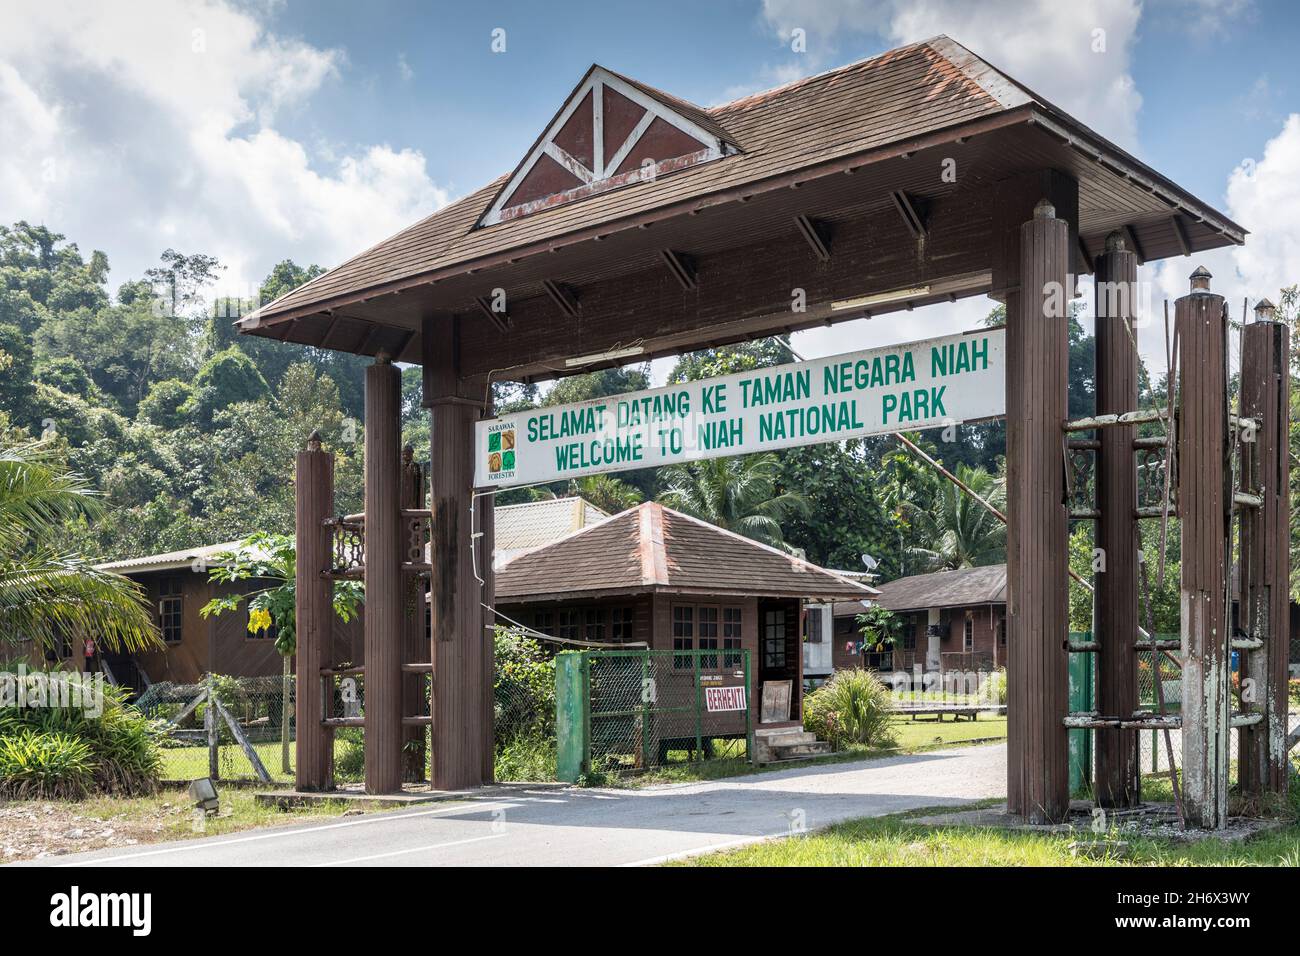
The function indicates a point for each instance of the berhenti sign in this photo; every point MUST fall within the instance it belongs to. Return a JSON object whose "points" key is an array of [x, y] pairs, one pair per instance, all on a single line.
{"points": [[723, 699], [931, 383]]}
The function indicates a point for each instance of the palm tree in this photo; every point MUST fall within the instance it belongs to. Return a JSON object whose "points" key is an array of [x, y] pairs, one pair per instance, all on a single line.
{"points": [[606, 492], [739, 494], [961, 532], [47, 594]]}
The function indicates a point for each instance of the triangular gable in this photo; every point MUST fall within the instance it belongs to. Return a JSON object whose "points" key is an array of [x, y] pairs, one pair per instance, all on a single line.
{"points": [[611, 132]]}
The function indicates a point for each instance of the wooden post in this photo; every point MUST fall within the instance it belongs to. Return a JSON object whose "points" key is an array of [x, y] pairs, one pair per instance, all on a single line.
{"points": [[1037, 286], [1266, 398], [383, 557], [1116, 597], [1204, 503], [415, 637], [459, 681], [485, 508], [314, 612], [213, 733]]}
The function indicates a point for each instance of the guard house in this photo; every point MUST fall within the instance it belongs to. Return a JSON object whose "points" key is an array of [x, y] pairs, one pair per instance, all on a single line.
{"points": [[638, 225], [656, 577]]}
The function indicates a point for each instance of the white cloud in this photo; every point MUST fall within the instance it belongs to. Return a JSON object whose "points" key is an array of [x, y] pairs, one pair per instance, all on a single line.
{"points": [[130, 127]]}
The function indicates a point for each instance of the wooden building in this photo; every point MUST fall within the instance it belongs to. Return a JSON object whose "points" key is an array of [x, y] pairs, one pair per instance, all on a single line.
{"points": [[952, 620], [177, 587], [655, 577]]}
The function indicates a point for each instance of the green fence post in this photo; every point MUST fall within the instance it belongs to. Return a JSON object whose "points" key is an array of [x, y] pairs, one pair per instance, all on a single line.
{"points": [[699, 708], [1080, 700], [571, 718], [647, 759], [749, 713]]}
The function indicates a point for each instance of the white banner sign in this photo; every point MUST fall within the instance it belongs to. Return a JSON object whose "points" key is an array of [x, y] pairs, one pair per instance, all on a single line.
{"points": [[925, 384], [722, 699]]}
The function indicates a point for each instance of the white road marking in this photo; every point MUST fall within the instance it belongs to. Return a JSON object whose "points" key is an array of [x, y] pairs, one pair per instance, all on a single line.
{"points": [[196, 845], [416, 849]]}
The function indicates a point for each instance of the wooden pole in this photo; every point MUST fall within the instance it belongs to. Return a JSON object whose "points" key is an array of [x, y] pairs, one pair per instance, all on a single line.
{"points": [[415, 637], [1204, 503], [383, 556], [314, 494], [485, 509], [459, 680], [1116, 597], [1038, 777], [1265, 397]]}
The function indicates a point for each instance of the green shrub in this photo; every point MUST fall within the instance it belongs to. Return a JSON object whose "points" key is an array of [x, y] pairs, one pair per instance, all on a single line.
{"points": [[526, 757], [123, 745], [350, 753], [995, 689], [45, 765], [853, 707]]}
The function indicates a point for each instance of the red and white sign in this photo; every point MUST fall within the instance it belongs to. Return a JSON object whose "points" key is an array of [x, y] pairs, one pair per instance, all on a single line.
{"points": [[718, 699]]}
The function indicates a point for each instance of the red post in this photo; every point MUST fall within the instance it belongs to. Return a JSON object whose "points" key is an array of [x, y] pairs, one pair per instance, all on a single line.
{"points": [[383, 557], [314, 614], [1204, 506], [1116, 597], [1265, 614]]}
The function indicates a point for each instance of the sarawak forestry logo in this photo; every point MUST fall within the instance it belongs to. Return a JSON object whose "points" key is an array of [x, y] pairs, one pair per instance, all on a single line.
{"points": [[501, 451]]}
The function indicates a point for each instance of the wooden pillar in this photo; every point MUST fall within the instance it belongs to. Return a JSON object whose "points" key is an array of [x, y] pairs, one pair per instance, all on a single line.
{"points": [[1265, 397], [415, 636], [459, 681], [383, 557], [1031, 269], [314, 614], [1116, 597], [484, 509], [1204, 503]]}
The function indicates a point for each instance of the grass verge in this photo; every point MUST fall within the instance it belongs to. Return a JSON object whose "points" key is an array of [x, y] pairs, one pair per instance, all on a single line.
{"points": [[897, 840]]}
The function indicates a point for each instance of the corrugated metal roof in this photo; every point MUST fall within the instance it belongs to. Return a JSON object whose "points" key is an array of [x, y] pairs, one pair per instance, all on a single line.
{"points": [[197, 559], [651, 547], [520, 528]]}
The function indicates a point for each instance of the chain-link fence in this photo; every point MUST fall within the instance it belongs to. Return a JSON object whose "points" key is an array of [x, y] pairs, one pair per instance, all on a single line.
{"points": [[632, 710], [252, 722]]}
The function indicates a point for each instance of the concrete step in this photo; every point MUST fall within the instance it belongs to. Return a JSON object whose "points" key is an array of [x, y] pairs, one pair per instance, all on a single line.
{"points": [[816, 748], [792, 736]]}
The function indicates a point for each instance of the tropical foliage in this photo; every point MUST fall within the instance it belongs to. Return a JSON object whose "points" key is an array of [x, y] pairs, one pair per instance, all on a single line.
{"points": [[55, 751], [739, 494], [853, 707], [47, 593]]}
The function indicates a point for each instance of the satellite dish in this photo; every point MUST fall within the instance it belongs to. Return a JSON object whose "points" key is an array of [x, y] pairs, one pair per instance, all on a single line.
{"points": [[870, 562]]}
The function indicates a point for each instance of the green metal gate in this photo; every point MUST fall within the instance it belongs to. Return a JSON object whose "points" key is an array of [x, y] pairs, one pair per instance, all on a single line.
{"points": [[620, 711]]}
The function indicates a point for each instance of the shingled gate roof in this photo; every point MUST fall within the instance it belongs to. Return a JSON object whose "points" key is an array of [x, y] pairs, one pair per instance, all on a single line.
{"points": [[917, 96], [961, 588], [653, 548]]}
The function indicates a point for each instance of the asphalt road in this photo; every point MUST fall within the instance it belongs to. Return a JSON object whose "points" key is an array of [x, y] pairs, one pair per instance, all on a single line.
{"points": [[570, 826]]}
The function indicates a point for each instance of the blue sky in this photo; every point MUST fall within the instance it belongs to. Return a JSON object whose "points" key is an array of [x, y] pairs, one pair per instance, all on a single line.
{"points": [[258, 130]]}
